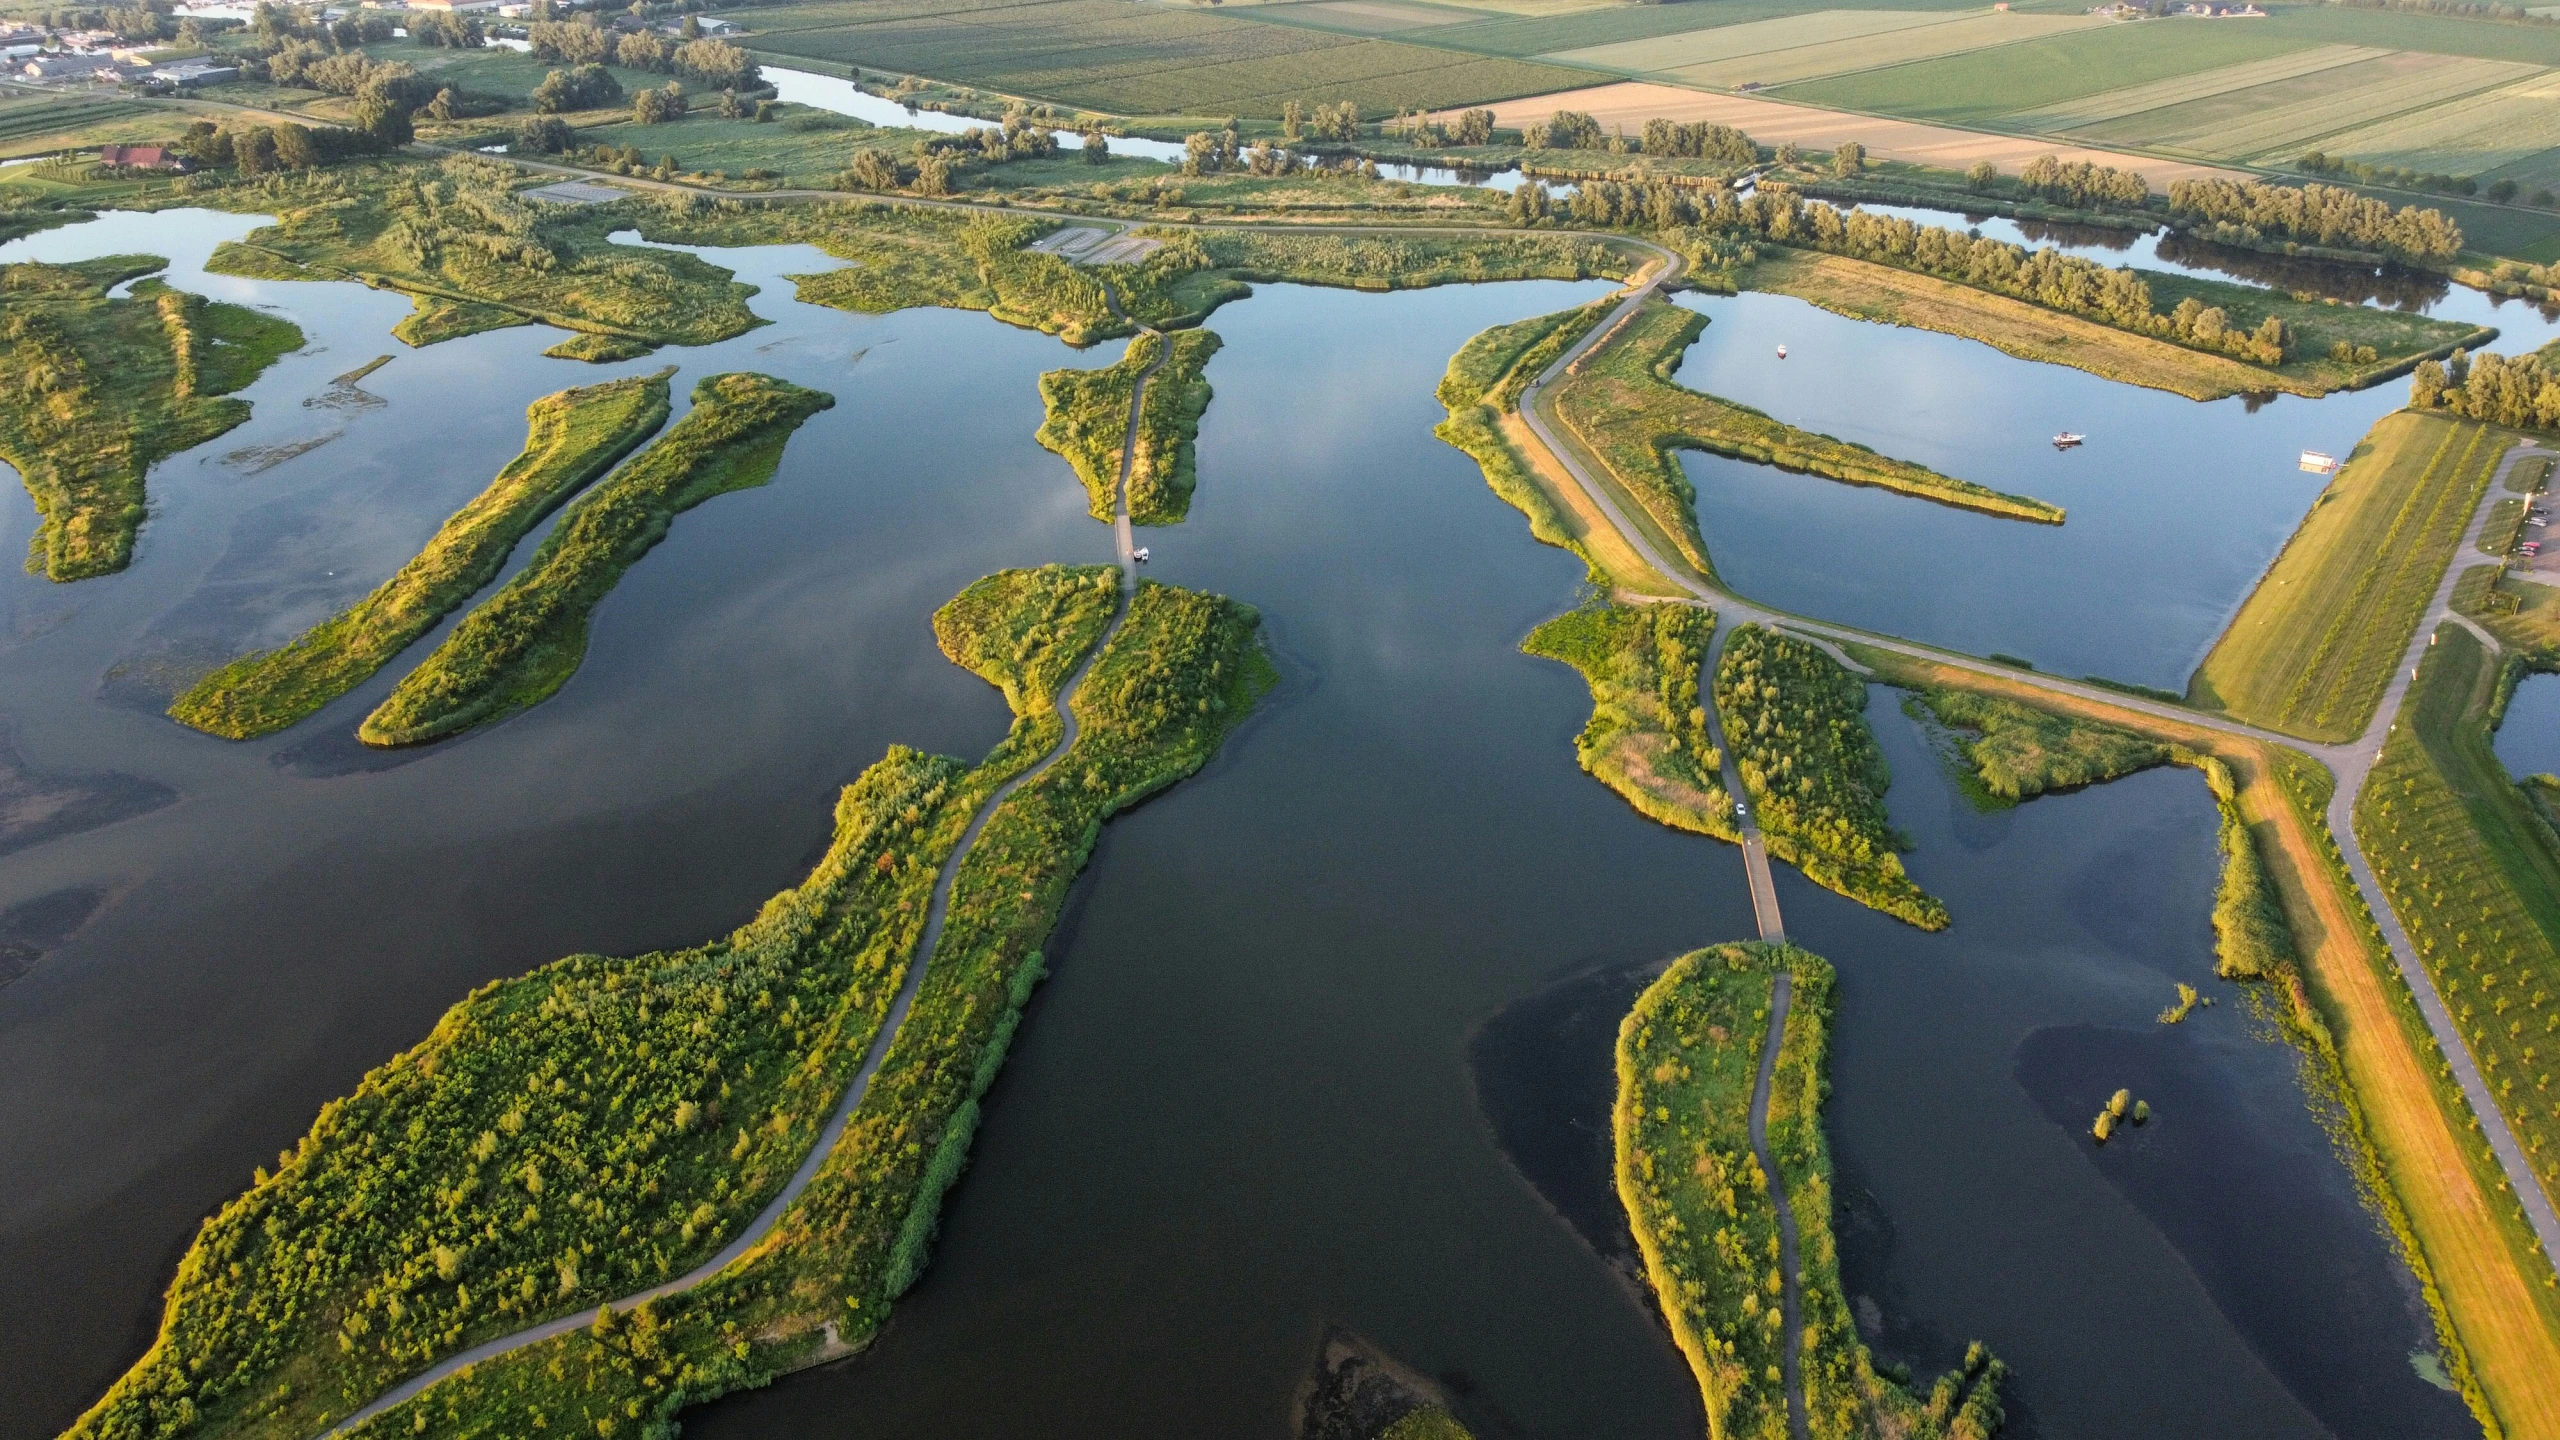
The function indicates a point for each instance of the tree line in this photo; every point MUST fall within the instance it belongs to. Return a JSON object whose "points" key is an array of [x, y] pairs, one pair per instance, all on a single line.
{"points": [[583, 42], [2322, 215], [2083, 185], [2521, 391]]}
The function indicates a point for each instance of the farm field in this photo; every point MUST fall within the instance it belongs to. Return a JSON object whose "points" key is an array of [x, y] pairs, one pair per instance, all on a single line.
{"points": [[2313, 647], [2279, 119], [1983, 87], [1868, 52], [1774, 122], [1366, 17], [1110, 56], [2179, 89], [2508, 132], [36, 124], [1755, 37]]}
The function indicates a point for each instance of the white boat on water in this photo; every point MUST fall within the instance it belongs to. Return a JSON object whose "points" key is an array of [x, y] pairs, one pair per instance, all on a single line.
{"points": [[1782, 352], [2068, 439]]}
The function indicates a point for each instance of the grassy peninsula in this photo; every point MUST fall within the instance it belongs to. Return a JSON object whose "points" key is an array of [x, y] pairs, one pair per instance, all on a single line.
{"points": [[95, 390], [1088, 423], [524, 642], [1621, 403], [2313, 648], [572, 437], [2016, 752], [1688, 1056], [1647, 738], [1796, 721]]}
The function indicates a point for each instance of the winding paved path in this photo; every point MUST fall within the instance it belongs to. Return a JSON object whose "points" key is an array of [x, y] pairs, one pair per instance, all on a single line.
{"points": [[935, 914]]}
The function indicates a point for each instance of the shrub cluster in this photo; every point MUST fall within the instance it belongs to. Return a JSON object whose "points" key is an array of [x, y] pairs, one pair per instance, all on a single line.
{"points": [[2247, 211], [1647, 737], [2519, 391], [2084, 185]]}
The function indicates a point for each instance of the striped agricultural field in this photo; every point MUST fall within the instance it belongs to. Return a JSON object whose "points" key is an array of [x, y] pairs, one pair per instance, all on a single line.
{"points": [[2280, 117], [2487, 130], [2178, 90], [1757, 37], [1892, 47]]}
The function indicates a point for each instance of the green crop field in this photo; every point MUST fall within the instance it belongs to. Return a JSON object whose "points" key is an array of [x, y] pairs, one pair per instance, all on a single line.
{"points": [[1105, 55], [1757, 37], [1895, 47], [1549, 34], [2314, 646], [1365, 17], [2179, 89], [2283, 117], [38, 124], [2492, 130], [2436, 34], [1971, 89]]}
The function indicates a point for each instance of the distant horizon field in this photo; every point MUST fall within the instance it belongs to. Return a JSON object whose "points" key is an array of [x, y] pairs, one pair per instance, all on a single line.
{"points": [[2288, 116], [1967, 35], [1982, 87], [1751, 37]]}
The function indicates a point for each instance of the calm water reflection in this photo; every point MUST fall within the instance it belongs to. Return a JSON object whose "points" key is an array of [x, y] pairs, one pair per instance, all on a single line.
{"points": [[2528, 739]]}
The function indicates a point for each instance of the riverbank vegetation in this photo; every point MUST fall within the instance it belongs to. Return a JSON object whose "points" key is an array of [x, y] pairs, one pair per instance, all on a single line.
{"points": [[2521, 392], [1022, 631], [95, 390], [1088, 423], [1620, 402], [524, 642], [2015, 752], [1705, 1220], [1647, 738], [1796, 722], [2247, 212], [573, 437], [2313, 647]]}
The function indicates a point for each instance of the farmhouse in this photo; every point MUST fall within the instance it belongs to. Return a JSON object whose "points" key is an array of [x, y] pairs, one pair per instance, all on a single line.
{"points": [[141, 157]]}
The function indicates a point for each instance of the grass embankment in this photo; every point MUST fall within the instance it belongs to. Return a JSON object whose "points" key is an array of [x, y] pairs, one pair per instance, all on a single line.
{"points": [[1088, 422], [1688, 1058], [573, 437], [524, 642], [1387, 261], [474, 256], [2403, 1126], [1182, 671], [1620, 402], [2313, 648], [1891, 296], [94, 391], [2474, 875], [1647, 737], [594, 1127], [1482, 392], [1796, 722]]}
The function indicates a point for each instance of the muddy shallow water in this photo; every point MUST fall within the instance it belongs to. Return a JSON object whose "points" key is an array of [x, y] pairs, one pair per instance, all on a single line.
{"points": [[1260, 1096]]}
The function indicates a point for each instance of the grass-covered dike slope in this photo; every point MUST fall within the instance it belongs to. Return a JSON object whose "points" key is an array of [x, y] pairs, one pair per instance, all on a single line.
{"points": [[1647, 738], [572, 437], [1088, 423], [1705, 1222], [522, 644], [1795, 720], [598, 1126], [94, 390]]}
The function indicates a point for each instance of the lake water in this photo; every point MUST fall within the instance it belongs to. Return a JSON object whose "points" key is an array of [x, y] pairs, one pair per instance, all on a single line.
{"points": [[2528, 738], [1288, 1073]]}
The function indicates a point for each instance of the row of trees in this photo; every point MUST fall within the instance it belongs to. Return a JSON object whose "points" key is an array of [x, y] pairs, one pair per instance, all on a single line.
{"points": [[1472, 127], [2522, 391], [265, 149], [1704, 140], [2321, 215], [2082, 185], [1328, 122], [2402, 177], [580, 42]]}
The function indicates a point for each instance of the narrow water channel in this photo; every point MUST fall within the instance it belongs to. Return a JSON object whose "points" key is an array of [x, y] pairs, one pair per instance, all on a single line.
{"points": [[1257, 1098]]}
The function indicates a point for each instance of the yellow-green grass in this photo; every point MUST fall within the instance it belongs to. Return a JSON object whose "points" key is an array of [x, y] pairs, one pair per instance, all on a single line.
{"points": [[1898, 47], [44, 124], [1705, 1221], [2492, 130], [2397, 337], [1647, 736], [1981, 87], [572, 437], [1891, 296], [1752, 37], [1620, 402], [1011, 628], [2315, 644], [94, 391], [1088, 423], [2425, 1170], [2179, 89], [523, 643], [2285, 116], [1795, 720], [2474, 875], [1184, 668], [2019, 751], [2408, 30]]}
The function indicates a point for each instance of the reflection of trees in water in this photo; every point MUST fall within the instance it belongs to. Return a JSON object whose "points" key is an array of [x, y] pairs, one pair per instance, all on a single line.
{"points": [[2387, 285], [2062, 232]]}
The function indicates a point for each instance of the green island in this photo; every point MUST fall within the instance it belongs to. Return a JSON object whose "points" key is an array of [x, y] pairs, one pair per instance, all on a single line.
{"points": [[2316, 642], [600, 1125], [95, 389], [1647, 738], [1795, 720], [1705, 1220], [572, 437], [522, 644], [1620, 402], [1088, 423]]}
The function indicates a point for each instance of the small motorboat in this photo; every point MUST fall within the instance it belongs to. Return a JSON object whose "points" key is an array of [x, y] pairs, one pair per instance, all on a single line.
{"points": [[2068, 439], [1139, 554], [1782, 352]]}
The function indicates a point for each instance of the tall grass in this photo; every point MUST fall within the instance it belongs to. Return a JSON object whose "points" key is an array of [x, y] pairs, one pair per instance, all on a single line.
{"points": [[1647, 737], [2018, 752], [572, 437], [1088, 423], [523, 643]]}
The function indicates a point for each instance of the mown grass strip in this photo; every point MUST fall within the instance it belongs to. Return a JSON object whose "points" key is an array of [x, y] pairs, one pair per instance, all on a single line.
{"points": [[523, 643], [572, 437]]}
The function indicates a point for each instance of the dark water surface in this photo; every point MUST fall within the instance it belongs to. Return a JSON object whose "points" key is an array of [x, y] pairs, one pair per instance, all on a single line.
{"points": [[1288, 1073], [2528, 738]]}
